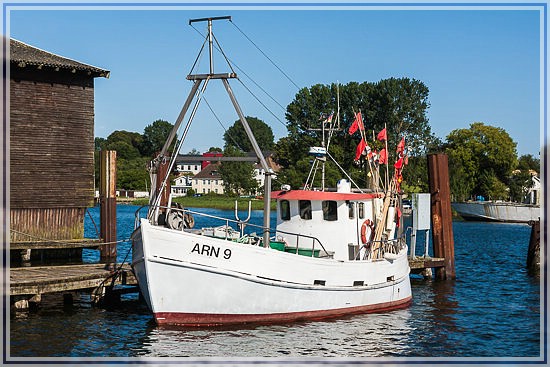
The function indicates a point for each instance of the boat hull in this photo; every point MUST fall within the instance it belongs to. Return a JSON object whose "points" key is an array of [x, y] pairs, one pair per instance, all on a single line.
{"points": [[497, 212], [186, 282]]}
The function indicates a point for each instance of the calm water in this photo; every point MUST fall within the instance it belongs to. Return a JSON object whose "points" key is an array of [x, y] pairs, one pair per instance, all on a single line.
{"points": [[492, 310]]}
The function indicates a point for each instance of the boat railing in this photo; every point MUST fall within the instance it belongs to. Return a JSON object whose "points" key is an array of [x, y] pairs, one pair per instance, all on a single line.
{"points": [[378, 249], [226, 226]]}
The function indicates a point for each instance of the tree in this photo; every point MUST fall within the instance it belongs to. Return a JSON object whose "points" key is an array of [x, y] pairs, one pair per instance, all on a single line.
{"points": [[528, 162], [154, 137], [127, 144], [400, 105], [238, 177], [481, 161], [215, 149], [236, 136]]}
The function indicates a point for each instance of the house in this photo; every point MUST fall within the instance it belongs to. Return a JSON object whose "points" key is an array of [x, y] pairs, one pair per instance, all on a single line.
{"points": [[182, 184], [259, 172], [208, 180], [189, 164], [51, 127]]}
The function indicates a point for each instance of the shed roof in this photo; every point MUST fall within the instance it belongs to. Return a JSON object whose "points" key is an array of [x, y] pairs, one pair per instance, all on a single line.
{"points": [[24, 55]]}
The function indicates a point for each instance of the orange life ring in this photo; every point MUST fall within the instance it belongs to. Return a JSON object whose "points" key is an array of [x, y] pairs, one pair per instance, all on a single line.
{"points": [[370, 224]]}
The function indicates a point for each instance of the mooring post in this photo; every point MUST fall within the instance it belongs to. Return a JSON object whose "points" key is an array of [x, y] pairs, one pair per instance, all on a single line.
{"points": [[442, 225], [533, 253], [162, 172], [107, 202]]}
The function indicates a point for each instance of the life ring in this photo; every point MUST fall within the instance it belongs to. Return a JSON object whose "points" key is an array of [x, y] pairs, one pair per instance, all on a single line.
{"points": [[367, 224]]}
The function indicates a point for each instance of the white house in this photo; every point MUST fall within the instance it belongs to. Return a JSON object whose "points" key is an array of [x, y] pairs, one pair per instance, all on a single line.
{"points": [[208, 180], [259, 172], [181, 184]]}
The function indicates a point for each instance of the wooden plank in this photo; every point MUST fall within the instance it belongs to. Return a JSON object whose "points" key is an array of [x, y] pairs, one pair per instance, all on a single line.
{"points": [[424, 263], [61, 244], [50, 279]]}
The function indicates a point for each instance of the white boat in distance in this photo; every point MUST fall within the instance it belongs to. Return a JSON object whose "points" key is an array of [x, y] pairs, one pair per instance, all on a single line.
{"points": [[497, 211], [332, 253]]}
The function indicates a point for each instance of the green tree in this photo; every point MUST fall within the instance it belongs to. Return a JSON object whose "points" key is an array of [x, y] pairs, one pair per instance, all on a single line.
{"points": [[154, 137], [481, 161], [528, 162], [238, 177], [127, 144], [400, 105], [236, 137], [132, 174]]}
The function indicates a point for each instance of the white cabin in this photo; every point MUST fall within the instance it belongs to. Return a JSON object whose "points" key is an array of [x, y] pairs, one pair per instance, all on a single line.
{"points": [[334, 218]]}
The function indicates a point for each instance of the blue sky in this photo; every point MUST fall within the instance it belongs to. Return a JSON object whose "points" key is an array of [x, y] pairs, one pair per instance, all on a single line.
{"points": [[479, 63]]}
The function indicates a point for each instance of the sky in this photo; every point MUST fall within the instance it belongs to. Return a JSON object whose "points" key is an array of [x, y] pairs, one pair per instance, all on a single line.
{"points": [[480, 63]]}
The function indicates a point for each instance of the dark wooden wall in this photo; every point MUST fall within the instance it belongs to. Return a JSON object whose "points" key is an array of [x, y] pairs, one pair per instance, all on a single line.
{"points": [[51, 153]]}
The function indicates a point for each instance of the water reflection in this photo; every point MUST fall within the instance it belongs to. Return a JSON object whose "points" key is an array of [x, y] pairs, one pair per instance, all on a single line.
{"points": [[358, 336]]}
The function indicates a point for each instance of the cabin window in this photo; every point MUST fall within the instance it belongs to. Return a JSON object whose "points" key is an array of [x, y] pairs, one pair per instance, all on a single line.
{"points": [[351, 210], [305, 209], [361, 210], [330, 210], [284, 207]]}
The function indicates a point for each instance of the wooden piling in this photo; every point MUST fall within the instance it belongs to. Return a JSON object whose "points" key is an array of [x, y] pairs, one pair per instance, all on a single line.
{"points": [[161, 174], [442, 226], [107, 202], [533, 253]]}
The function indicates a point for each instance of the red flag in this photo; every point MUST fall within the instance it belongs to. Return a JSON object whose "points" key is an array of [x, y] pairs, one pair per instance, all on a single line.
{"points": [[357, 124], [360, 148], [401, 145], [399, 163], [382, 135], [383, 157]]}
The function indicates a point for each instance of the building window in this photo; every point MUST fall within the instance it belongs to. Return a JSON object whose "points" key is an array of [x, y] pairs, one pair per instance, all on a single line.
{"points": [[284, 207], [330, 209], [305, 209], [196, 168]]}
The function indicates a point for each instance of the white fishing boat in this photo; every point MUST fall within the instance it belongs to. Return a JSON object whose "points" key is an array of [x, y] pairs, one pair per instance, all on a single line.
{"points": [[332, 253]]}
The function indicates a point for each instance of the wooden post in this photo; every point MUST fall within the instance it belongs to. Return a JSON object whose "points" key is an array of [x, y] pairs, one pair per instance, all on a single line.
{"points": [[107, 202], [162, 171], [533, 253], [442, 225]]}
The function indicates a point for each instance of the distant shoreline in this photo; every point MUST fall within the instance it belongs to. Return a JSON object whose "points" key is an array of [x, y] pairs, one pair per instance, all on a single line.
{"points": [[206, 201]]}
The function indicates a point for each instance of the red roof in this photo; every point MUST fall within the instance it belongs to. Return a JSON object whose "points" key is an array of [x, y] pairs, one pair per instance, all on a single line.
{"points": [[323, 195]]}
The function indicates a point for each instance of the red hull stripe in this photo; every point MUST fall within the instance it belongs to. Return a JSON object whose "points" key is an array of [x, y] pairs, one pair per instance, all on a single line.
{"points": [[322, 195], [199, 319]]}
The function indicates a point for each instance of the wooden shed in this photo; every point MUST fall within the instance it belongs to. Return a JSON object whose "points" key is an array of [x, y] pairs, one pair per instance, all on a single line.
{"points": [[51, 144]]}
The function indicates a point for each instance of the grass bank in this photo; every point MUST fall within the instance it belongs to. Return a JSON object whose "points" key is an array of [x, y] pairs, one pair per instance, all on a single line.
{"points": [[214, 201]]}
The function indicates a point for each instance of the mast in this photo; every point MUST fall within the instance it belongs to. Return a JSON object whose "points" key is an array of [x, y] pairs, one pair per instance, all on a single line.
{"points": [[198, 80]]}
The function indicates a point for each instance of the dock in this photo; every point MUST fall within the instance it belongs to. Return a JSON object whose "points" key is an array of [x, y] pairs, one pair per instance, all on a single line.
{"points": [[28, 284], [424, 265]]}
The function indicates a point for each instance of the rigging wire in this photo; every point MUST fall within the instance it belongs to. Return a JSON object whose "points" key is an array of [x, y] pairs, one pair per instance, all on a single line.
{"points": [[232, 63], [221, 124], [263, 53]]}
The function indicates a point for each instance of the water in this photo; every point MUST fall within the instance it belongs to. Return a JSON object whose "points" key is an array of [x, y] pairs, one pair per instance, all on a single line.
{"points": [[492, 310]]}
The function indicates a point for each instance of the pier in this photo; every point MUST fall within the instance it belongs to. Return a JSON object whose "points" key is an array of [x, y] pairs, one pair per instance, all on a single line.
{"points": [[29, 284]]}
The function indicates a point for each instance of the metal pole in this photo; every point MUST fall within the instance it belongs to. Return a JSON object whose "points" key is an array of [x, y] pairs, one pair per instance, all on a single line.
{"points": [[210, 44], [180, 117], [263, 162]]}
